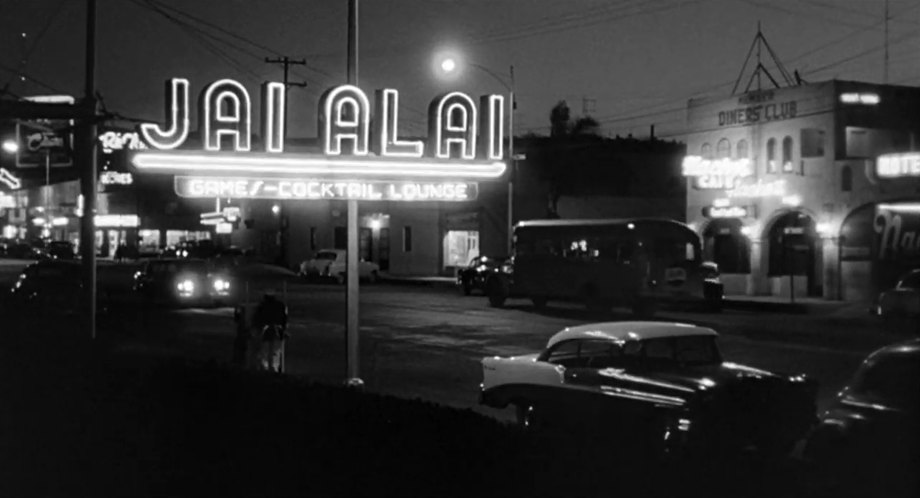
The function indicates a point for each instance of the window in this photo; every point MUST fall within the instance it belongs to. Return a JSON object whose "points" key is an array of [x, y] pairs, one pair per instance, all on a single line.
{"points": [[565, 353], [771, 155], [741, 149], [697, 350], [706, 151], [787, 155], [723, 149], [812, 142], [599, 353], [846, 179], [407, 239]]}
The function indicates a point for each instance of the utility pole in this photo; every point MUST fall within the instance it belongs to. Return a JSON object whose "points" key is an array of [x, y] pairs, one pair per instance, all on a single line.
{"points": [[87, 167], [286, 63], [885, 79], [352, 354]]}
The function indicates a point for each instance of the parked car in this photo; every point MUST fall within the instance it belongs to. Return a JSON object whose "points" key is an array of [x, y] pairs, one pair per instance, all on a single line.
{"points": [[666, 383], [331, 264], [61, 249], [474, 276], [23, 250], [182, 281], [899, 307], [47, 286], [869, 439]]}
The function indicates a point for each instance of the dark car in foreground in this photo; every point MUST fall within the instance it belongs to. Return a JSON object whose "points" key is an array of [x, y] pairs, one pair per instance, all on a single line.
{"points": [[474, 275], [869, 439], [665, 383], [182, 281], [53, 288]]}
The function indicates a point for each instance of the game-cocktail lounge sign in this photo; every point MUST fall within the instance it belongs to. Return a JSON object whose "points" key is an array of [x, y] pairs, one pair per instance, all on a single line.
{"points": [[360, 144]]}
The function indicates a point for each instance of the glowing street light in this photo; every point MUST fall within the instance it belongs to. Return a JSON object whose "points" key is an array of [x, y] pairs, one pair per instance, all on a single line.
{"points": [[451, 66], [10, 146]]}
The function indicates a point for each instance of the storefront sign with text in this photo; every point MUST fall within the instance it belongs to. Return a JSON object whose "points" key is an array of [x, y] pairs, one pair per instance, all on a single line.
{"points": [[358, 141], [284, 188]]}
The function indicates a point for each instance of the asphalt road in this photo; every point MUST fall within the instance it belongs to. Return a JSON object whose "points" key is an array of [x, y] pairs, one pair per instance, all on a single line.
{"points": [[426, 341]]}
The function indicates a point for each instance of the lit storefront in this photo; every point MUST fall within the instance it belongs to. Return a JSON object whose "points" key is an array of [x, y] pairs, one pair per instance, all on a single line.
{"points": [[808, 190]]}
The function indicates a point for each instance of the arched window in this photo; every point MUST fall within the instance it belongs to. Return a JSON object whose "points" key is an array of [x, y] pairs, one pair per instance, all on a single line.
{"points": [[787, 155], [771, 155], [741, 149], [723, 149], [846, 179], [706, 151]]}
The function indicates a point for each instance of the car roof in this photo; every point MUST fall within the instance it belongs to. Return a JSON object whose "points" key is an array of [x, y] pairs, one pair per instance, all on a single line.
{"points": [[622, 331], [911, 346]]}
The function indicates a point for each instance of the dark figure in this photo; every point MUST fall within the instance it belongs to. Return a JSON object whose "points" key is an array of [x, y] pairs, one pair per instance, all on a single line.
{"points": [[243, 336], [270, 320]]}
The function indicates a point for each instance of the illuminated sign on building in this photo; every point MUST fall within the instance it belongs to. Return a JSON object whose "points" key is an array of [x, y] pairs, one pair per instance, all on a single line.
{"points": [[284, 188], [725, 212], [716, 173], [898, 165], [775, 188], [464, 140], [897, 227], [121, 140], [9, 180], [117, 220], [7, 201], [115, 178], [860, 98]]}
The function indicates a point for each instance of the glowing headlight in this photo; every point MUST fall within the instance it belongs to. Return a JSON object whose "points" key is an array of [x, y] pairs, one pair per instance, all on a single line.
{"points": [[221, 284], [186, 286]]}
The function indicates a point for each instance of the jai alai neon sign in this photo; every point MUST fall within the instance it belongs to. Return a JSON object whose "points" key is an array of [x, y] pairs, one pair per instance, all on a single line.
{"points": [[359, 143]]}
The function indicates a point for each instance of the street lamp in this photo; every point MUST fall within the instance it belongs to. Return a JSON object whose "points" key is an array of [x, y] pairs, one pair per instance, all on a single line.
{"points": [[450, 66]]}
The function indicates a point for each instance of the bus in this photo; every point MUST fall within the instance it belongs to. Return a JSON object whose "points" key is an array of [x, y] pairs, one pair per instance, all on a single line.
{"points": [[637, 262]]}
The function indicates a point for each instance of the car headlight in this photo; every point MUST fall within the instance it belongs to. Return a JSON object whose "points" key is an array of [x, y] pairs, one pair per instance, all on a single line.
{"points": [[186, 286], [221, 285]]}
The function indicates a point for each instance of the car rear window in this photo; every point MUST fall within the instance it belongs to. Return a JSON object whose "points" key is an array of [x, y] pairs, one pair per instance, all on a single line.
{"points": [[325, 255]]}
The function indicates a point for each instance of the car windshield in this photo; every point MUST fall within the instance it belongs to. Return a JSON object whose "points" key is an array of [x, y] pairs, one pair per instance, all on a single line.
{"points": [[325, 255], [686, 350], [911, 281]]}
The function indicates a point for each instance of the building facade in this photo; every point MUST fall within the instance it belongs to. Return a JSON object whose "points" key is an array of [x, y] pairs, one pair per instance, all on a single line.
{"points": [[812, 190]]}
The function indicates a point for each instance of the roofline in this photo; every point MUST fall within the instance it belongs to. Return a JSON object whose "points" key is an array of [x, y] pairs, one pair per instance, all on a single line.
{"points": [[595, 222]]}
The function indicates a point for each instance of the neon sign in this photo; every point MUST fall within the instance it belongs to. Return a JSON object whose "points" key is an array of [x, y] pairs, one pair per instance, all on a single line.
{"points": [[718, 173], [115, 178], [725, 212], [898, 165], [760, 189], [7, 178], [464, 140], [120, 140], [285, 188]]}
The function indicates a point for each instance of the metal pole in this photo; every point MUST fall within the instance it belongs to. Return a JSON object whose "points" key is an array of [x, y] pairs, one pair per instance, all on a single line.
{"points": [[87, 165], [512, 164], [351, 270]]}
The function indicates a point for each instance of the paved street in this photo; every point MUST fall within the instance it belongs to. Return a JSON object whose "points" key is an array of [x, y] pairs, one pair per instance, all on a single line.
{"points": [[426, 341]]}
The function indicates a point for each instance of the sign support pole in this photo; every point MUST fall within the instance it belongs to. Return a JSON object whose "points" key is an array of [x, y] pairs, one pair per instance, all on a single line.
{"points": [[351, 269], [87, 165]]}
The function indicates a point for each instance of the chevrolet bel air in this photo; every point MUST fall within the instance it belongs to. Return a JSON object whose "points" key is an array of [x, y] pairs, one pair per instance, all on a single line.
{"points": [[664, 381]]}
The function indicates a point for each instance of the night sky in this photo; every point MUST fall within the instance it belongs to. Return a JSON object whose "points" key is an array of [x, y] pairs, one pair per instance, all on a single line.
{"points": [[629, 64]]}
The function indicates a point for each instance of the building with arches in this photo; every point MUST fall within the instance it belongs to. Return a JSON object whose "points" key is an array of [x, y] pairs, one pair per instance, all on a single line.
{"points": [[808, 190]]}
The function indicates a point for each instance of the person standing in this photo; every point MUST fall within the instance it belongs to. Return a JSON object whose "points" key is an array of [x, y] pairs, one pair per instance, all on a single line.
{"points": [[270, 320]]}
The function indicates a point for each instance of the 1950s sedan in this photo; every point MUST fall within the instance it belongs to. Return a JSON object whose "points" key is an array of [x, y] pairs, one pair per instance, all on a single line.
{"points": [[665, 381]]}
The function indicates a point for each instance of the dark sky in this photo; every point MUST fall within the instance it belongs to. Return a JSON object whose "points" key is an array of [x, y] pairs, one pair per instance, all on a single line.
{"points": [[628, 63]]}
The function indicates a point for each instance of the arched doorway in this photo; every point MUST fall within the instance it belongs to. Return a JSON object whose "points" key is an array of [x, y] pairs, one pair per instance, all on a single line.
{"points": [[795, 253], [724, 244]]}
